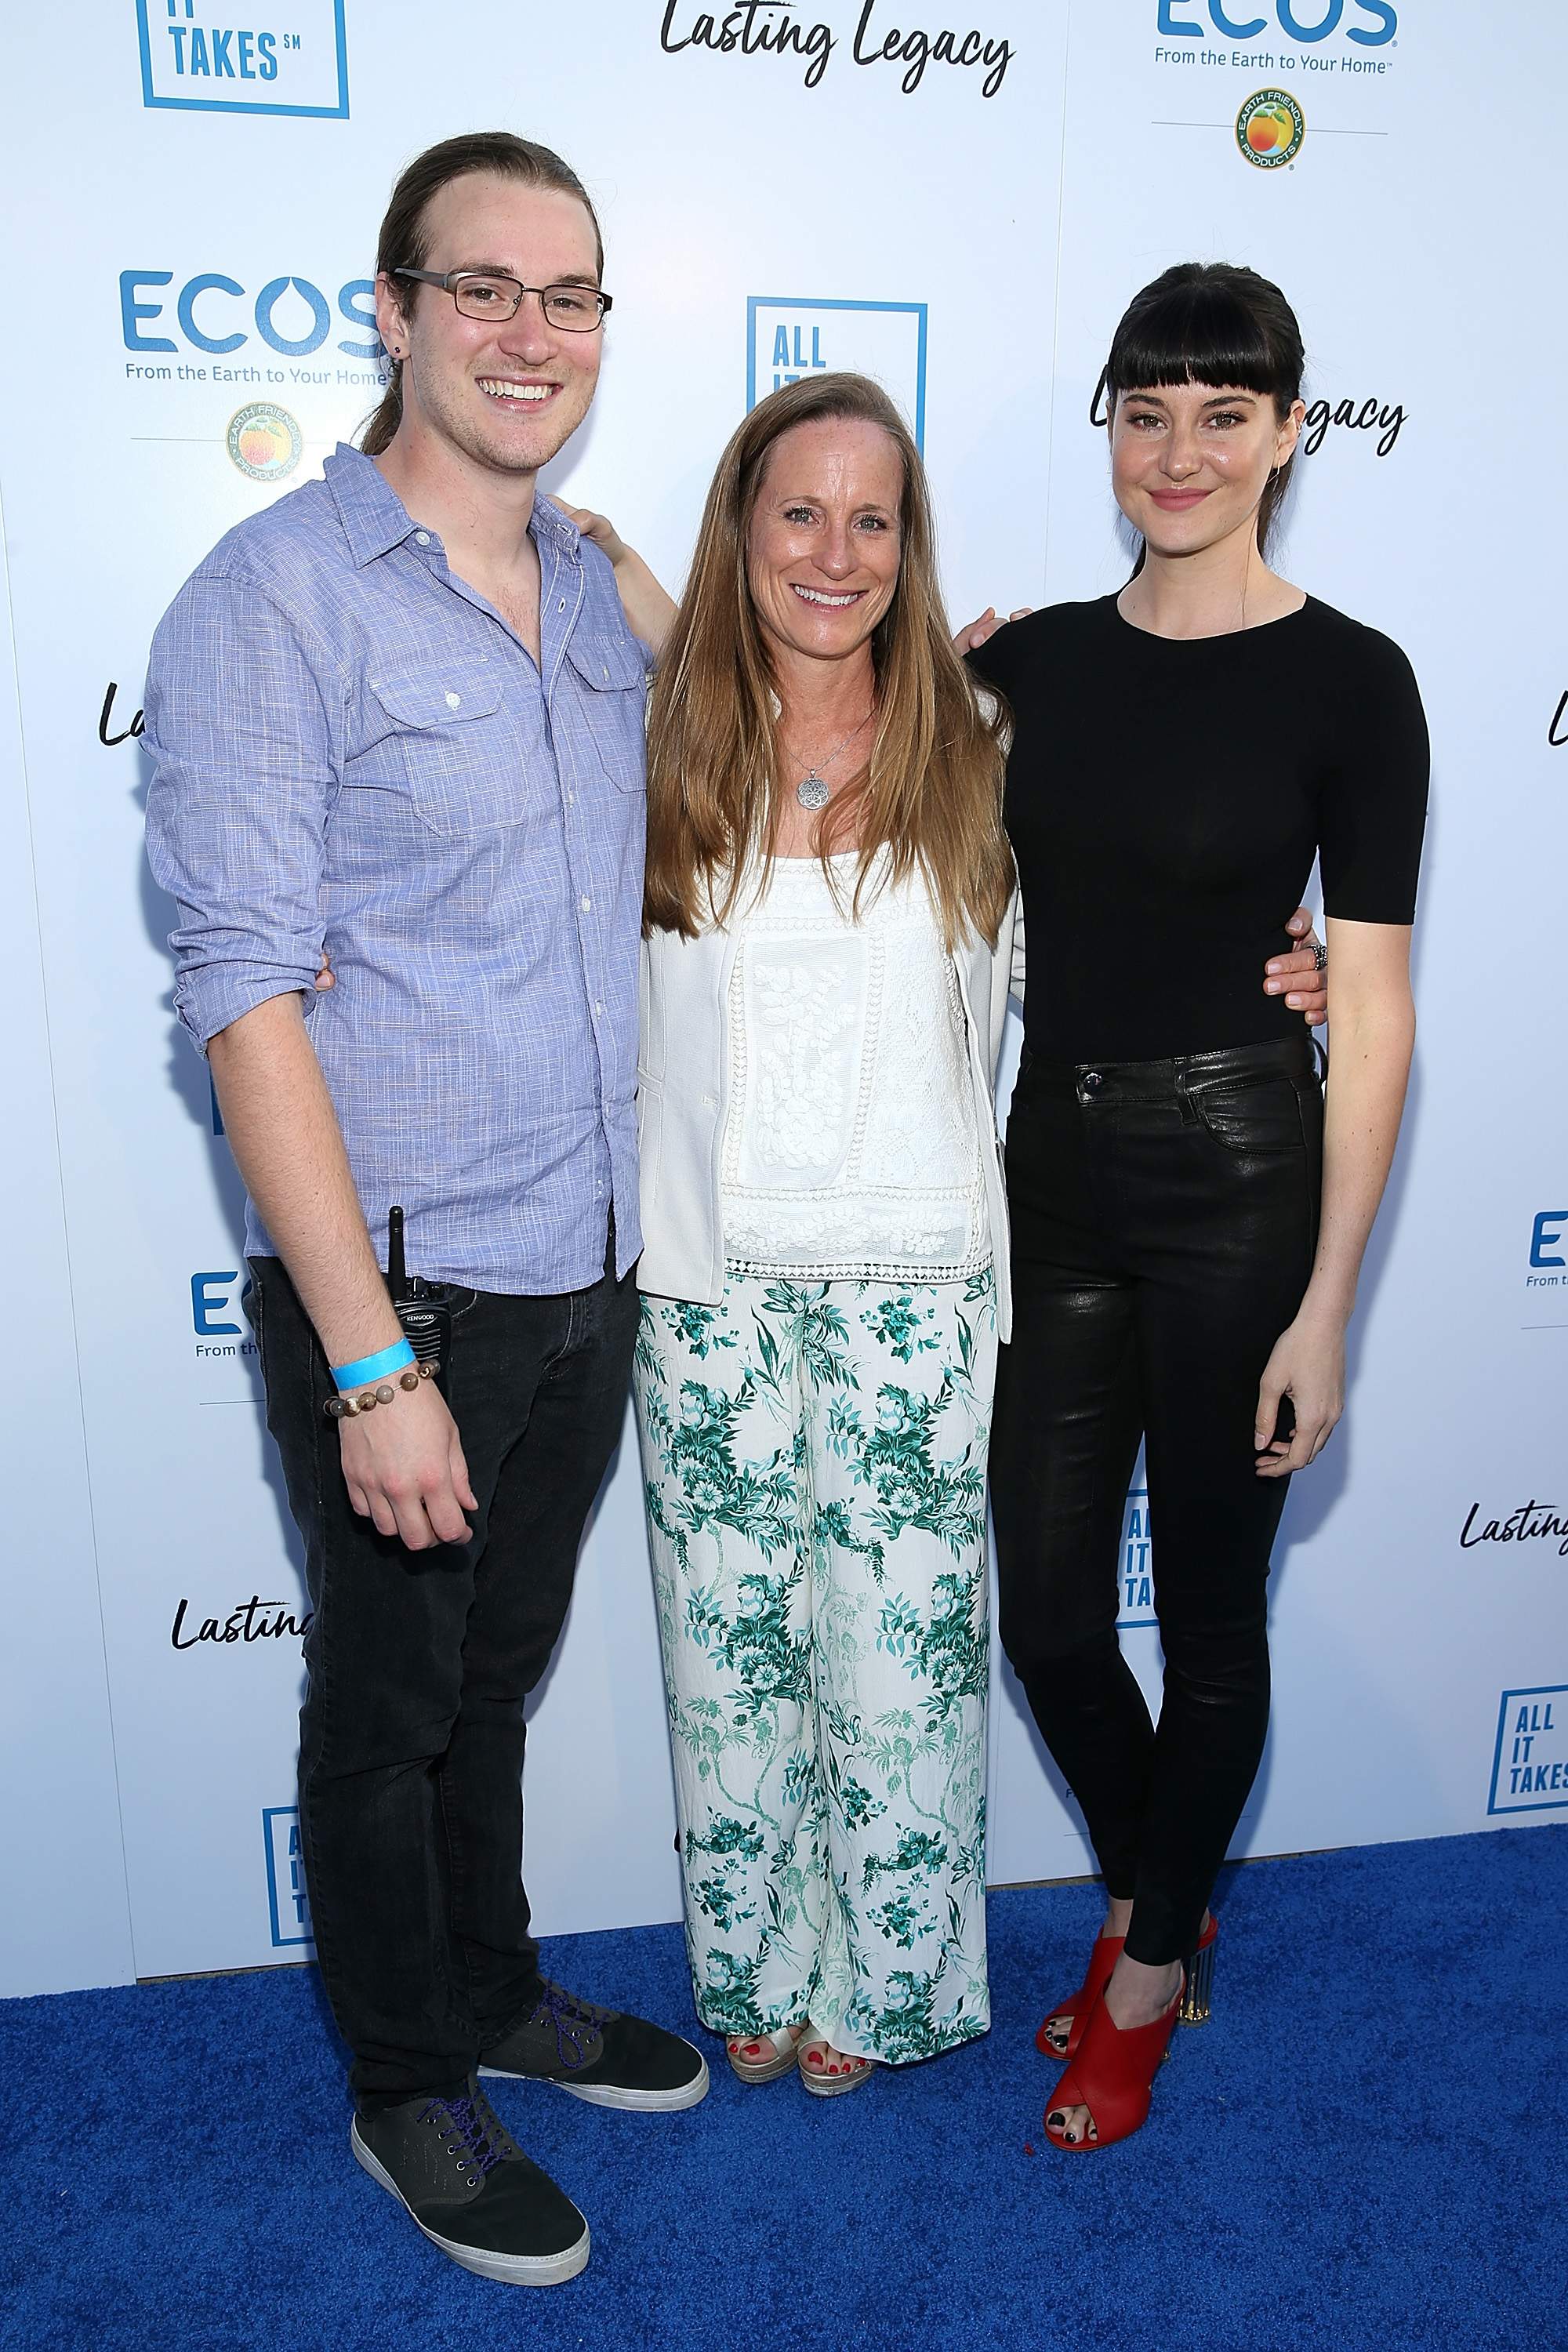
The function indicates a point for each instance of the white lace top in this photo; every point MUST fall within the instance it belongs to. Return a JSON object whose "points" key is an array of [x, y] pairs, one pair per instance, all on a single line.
{"points": [[852, 1147]]}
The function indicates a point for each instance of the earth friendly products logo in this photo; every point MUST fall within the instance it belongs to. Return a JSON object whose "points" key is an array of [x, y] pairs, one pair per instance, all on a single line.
{"points": [[1270, 129], [264, 441]]}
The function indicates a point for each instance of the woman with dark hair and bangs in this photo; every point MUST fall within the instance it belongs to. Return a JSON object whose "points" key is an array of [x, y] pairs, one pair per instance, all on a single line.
{"points": [[1188, 1211]]}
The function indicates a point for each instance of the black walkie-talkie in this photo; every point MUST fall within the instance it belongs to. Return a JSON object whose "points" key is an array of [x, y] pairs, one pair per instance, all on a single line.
{"points": [[424, 1308]]}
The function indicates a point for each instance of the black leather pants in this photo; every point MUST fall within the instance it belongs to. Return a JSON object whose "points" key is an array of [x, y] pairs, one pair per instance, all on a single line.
{"points": [[1164, 1218]]}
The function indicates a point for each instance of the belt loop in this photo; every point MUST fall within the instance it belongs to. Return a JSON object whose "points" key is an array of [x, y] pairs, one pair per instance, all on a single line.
{"points": [[1183, 1097]]}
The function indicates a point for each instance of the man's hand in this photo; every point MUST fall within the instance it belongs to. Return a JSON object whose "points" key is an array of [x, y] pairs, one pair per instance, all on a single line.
{"points": [[1297, 977], [965, 640], [404, 1467]]}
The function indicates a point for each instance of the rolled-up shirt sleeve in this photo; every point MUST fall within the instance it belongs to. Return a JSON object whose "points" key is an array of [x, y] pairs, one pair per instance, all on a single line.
{"points": [[245, 722]]}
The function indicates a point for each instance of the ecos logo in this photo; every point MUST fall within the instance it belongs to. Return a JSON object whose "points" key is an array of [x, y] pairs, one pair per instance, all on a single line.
{"points": [[1548, 1270], [1548, 1250], [193, 54], [218, 1314], [788, 337], [225, 1362], [215, 314], [1371, 23]]}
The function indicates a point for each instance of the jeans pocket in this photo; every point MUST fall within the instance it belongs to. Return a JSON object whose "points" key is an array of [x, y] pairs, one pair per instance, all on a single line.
{"points": [[1252, 1118]]}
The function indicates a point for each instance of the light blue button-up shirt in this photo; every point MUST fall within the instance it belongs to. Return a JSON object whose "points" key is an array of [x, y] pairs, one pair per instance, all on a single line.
{"points": [[354, 750]]}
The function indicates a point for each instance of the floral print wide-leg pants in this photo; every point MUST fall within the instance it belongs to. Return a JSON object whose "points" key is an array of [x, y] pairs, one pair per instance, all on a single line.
{"points": [[813, 1456]]}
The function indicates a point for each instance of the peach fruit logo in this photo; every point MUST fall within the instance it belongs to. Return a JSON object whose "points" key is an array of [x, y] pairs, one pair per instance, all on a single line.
{"points": [[1270, 129], [264, 441]]}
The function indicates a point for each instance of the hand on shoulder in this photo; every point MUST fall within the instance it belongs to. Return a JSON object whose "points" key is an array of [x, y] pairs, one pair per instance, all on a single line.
{"points": [[969, 639], [649, 607]]}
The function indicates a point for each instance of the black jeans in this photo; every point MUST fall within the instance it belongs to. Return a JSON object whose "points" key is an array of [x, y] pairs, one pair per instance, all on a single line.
{"points": [[1164, 1220], [411, 1736]]}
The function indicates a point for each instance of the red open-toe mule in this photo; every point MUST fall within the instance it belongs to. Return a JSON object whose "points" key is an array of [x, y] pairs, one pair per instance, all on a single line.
{"points": [[1112, 2075], [1102, 1960]]}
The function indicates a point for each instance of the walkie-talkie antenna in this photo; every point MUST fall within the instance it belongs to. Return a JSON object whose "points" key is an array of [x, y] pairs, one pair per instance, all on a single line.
{"points": [[396, 1272]]}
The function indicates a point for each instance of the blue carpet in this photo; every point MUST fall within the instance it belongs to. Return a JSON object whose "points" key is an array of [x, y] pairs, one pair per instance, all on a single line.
{"points": [[1365, 2148]]}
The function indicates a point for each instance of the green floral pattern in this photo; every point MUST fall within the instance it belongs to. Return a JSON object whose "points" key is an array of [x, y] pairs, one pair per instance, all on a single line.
{"points": [[814, 1456]]}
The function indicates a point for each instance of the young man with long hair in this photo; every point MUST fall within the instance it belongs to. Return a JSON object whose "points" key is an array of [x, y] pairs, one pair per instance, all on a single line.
{"points": [[398, 716]]}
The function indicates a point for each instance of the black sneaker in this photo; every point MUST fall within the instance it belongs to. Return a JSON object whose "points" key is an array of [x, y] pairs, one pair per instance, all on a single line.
{"points": [[598, 2054], [472, 2190]]}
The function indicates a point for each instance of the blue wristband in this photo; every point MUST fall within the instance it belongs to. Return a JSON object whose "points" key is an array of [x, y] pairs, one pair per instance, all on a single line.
{"points": [[373, 1368]]}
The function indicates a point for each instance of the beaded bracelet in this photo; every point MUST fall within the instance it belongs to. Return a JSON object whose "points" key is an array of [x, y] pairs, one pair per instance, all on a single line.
{"points": [[346, 1408]]}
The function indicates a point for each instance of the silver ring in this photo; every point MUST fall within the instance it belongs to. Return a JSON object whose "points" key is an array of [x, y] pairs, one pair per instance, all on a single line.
{"points": [[1319, 955]]}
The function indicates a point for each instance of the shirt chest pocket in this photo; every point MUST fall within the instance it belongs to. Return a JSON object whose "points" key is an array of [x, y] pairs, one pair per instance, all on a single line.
{"points": [[607, 685], [441, 736]]}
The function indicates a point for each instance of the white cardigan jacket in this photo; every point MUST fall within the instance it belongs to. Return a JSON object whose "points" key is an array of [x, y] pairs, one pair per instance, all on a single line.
{"points": [[683, 1100]]}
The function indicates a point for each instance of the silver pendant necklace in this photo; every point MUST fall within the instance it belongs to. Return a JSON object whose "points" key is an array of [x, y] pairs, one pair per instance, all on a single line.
{"points": [[811, 791]]}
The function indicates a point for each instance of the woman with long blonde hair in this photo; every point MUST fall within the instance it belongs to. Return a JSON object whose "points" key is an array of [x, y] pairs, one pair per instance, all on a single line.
{"points": [[829, 920]]}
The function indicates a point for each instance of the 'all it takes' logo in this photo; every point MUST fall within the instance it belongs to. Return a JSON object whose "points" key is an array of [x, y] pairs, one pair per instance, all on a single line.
{"points": [[1530, 1768], [288, 1904], [1136, 1571], [792, 336], [1270, 129], [196, 55]]}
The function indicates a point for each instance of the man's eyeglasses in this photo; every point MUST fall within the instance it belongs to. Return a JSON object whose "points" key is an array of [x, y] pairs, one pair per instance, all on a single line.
{"points": [[479, 294]]}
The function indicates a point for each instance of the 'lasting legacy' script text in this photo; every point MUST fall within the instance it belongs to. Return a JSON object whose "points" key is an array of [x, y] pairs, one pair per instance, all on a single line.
{"points": [[768, 29]]}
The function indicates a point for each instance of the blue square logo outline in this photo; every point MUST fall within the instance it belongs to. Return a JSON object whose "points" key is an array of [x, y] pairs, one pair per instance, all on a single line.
{"points": [[149, 97], [1528, 1690], [755, 302], [270, 1814]]}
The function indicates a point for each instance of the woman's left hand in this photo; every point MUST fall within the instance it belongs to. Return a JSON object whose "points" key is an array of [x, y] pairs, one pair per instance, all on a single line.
{"points": [[973, 635], [596, 526], [1299, 977], [649, 607], [1308, 1365]]}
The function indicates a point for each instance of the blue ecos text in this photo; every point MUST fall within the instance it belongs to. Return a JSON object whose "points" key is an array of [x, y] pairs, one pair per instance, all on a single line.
{"points": [[1373, 23], [214, 314]]}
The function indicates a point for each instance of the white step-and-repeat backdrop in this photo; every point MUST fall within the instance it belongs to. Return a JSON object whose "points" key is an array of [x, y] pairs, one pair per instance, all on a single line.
{"points": [[958, 195]]}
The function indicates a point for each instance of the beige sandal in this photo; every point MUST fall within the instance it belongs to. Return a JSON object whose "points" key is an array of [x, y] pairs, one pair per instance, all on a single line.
{"points": [[822, 2082], [780, 2043]]}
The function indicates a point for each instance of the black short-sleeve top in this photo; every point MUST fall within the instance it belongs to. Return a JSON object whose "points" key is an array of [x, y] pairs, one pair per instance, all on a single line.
{"points": [[1165, 800]]}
